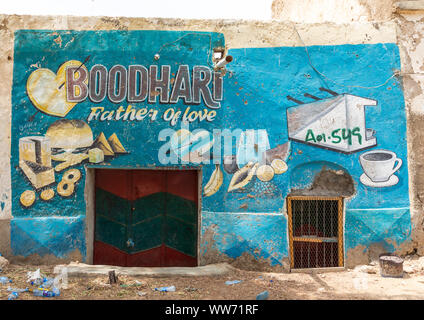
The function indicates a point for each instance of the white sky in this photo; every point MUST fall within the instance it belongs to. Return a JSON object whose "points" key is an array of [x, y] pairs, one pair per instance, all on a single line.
{"points": [[199, 9]]}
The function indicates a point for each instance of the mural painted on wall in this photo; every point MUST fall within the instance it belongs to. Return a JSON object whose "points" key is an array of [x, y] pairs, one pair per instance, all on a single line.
{"points": [[336, 123], [142, 99]]}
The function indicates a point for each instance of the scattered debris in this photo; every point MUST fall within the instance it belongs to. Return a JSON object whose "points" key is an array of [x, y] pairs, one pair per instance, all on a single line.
{"points": [[413, 265], [262, 296], [166, 289], [113, 278], [228, 283], [61, 280], [45, 286], [366, 269], [190, 289], [136, 283], [13, 296], [47, 283], [35, 277], [5, 280], [17, 290], [100, 282], [126, 282], [40, 292], [124, 285], [141, 293]]}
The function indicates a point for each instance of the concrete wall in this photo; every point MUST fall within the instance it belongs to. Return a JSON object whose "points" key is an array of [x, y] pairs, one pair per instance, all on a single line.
{"points": [[409, 33], [232, 231], [319, 11]]}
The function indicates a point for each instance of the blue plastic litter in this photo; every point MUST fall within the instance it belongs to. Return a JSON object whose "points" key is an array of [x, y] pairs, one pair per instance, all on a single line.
{"points": [[166, 289], [262, 296], [10, 289], [232, 282], [5, 280], [41, 292], [12, 296]]}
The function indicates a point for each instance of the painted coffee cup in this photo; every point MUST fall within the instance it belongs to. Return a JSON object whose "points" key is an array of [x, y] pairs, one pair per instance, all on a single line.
{"points": [[379, 165]]}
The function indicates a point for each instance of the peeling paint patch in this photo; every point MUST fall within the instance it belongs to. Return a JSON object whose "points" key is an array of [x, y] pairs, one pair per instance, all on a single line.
{"points": [[58, 39]]}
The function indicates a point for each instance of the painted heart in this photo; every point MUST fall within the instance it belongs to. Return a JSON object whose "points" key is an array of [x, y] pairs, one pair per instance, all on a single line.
{"points": [[47, 90]]}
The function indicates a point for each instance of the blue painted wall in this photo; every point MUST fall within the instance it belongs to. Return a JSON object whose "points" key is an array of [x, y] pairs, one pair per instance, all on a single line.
{"points": [[256, 87]]}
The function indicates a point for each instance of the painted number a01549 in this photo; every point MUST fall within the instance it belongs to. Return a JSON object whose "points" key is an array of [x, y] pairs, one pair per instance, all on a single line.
{"points": [[337, 136]]}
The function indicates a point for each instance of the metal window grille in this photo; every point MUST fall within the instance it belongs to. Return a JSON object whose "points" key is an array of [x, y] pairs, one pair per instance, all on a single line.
{"points": [[315, 232]]}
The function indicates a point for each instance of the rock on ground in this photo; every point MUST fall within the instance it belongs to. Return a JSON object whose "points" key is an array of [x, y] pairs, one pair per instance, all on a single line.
{"points": [[4, 263], [414, 265]]}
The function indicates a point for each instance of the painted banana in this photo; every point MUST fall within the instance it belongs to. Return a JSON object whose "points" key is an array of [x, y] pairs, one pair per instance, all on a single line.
{"points": [[215, 182], [243, 176]]}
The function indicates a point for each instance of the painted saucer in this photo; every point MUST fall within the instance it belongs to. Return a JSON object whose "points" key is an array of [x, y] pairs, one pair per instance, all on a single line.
{"points": [[368, 182]]}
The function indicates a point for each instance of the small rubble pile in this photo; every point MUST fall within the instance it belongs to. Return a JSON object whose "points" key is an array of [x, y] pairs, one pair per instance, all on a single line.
{"points": [[413, 264]]}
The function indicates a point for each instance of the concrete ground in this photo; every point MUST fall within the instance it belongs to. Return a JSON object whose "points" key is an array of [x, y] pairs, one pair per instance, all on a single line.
{"points": [[81, 270]]}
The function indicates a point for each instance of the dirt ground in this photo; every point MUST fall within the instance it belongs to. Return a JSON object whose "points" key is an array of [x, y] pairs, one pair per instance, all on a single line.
{"points": [[363, 282]]}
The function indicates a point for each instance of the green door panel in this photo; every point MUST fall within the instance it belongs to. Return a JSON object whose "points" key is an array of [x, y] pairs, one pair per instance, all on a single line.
{"points": [[111, 232], [112, 207], [181, 208], [147, 234], [181, 236], [149, 207]]}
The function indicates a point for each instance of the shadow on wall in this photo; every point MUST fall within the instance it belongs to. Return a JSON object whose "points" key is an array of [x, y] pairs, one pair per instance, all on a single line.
{"points": [[321, 178]]}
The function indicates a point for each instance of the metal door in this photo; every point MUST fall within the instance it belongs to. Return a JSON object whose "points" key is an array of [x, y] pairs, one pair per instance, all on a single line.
{"points": [[146, 218], [315, 231]]}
